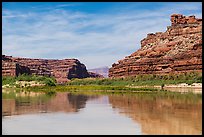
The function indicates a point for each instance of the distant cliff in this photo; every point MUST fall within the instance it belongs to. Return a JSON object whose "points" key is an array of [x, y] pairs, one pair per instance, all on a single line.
{"points": [[62, 70], [177, 50], [102, 71]]}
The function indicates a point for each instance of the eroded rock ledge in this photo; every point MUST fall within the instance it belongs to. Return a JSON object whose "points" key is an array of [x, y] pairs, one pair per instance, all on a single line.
{"points": [[177, 50], [62, 70]]}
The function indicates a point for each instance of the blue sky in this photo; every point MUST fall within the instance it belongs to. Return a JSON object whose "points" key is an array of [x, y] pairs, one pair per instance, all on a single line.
{"points": [[97, 33]]}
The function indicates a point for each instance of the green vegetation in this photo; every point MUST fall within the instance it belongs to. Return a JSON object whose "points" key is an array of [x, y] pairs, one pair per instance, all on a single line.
{"points": [[8, 80], [141, 80], [188, 97], [8, 95], [147, 93], [47, 92], [25, 96], [107, 85], [49, 81], [61, 88]]}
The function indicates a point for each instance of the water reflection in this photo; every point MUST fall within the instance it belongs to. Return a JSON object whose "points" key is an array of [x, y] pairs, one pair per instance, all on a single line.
{"points": [[97, 117], [161, 115], [17, 103], [184, 89], [130, 113], [79, 101]]}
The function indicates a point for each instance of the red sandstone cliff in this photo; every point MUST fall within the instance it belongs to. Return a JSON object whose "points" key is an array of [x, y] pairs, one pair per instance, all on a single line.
{"points": [[179, 49], [62, 70]]}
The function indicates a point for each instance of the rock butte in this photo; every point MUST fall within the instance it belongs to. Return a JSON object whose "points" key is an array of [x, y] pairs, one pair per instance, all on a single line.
{"points": [[62, 70], [177, 50]]}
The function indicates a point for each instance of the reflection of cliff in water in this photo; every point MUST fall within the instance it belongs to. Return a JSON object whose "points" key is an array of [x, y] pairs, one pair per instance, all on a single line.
{"points": [[41, 103], [161, 115], [79, 101]]}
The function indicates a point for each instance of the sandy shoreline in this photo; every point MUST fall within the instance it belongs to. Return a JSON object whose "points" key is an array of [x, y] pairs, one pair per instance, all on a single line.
{"points": [[182, 87]]}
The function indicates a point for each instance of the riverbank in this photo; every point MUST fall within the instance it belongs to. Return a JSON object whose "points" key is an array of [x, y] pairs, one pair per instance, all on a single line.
{"points": [[23, 81], [98, 90], [137, 83], [182, 87]]}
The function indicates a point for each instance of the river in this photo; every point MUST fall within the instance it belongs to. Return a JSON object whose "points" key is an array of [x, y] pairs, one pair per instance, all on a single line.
{"points": [[65, 113]]}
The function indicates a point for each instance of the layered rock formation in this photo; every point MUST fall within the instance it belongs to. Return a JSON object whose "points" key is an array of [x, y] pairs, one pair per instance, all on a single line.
{"points": [[62, 70], [10, 68], [177, 50]]}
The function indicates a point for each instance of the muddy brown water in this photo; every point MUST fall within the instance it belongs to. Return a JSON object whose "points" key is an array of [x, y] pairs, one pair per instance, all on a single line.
{"points": [[66, 113]]}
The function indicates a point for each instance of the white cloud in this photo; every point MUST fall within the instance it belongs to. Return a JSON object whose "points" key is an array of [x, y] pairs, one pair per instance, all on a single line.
{"points": [[96, 39]]}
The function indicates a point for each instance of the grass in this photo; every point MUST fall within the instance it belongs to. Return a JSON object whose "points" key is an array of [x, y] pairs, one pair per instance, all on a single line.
{"points": [[49, 81], [141, 80], [109, 85], [138, 80], [61, 88], [147, 93]]}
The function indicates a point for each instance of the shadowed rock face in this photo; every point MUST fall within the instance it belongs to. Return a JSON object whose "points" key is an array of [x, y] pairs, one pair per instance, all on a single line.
{"points": [[10, 68], [179, 49], [62, 70]]}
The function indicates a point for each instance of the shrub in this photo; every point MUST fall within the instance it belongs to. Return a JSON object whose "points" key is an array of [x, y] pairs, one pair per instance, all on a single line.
{"points": [[146, 79], [49, 82]]}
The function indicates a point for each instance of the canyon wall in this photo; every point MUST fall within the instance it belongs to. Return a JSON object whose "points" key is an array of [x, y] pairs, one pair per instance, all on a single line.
{"points": [[62, 70], [177, 50], [10, 68]]}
